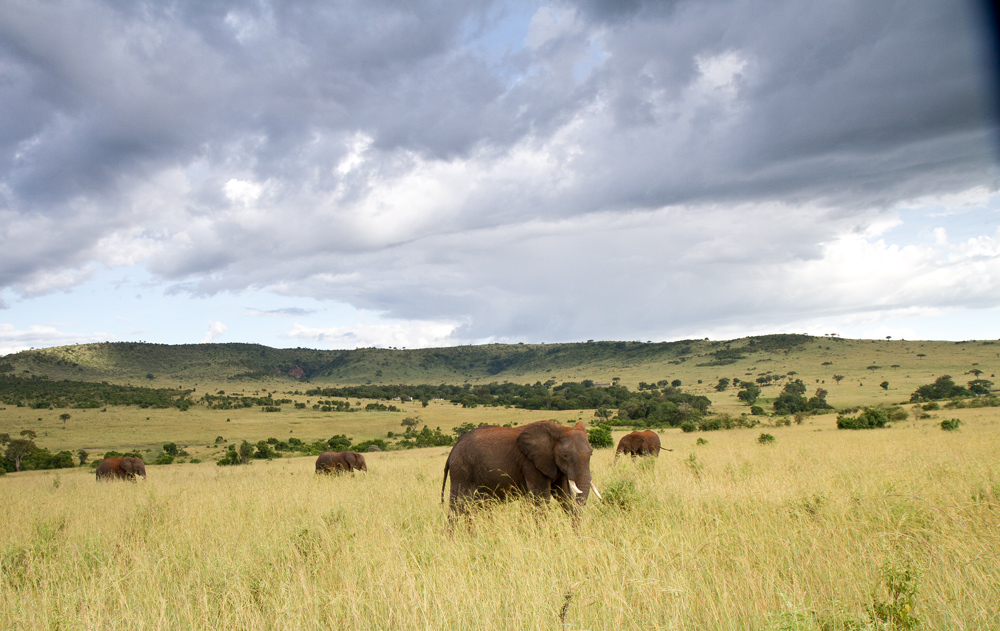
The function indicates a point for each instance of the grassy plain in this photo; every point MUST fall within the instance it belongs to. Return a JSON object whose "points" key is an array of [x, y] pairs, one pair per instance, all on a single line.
{"points": [[822, 530], [814, 531]]}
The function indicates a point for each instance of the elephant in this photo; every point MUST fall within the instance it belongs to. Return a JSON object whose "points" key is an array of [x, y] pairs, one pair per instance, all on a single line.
{"points": [[540, 460], [642, 443], [127, 468], [337, 461]]}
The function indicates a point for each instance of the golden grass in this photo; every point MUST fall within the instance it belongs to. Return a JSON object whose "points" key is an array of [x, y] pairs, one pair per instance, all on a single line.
{"points": [[725, 535]]}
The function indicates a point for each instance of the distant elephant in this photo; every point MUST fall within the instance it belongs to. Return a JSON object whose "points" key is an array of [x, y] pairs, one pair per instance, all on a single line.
{"points": [[127, 468], [539, 459], [642, 443], [337, 461]]}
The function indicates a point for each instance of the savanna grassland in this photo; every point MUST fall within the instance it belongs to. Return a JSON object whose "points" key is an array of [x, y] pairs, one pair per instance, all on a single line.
{"points": [[819, 529]]}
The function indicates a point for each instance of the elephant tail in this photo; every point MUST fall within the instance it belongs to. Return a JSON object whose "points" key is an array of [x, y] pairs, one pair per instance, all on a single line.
{"points": [[445, 480]]}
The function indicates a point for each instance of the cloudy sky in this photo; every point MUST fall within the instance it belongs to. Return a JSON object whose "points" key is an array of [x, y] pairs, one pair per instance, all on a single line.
{"points": [[436, 172]]}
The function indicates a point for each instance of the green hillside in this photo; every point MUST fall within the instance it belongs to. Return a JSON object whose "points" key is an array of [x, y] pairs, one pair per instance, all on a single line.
{"points": [[814, 359]]}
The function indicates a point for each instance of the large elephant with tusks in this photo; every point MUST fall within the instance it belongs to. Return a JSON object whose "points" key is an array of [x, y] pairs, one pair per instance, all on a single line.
{"points": [[539, 460]]}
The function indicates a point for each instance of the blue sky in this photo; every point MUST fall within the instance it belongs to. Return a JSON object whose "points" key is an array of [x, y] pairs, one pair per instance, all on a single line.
{"points": [[360, 174]]}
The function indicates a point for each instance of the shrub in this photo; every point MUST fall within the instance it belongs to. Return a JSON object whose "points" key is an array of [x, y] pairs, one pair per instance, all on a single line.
{"points": [[765, 439], [621, 494], [340, 442], [164, 458], [756, 410], [950, 425], [701, 441], [688, 427], [365, 444], [871, 418], [898, 609], [600, 437]]}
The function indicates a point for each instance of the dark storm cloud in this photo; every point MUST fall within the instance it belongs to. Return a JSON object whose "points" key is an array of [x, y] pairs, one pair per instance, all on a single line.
{"points": [[378, 152]]}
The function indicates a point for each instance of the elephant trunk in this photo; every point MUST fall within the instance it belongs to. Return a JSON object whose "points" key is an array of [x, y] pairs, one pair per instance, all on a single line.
{"points": [[580, 486]]}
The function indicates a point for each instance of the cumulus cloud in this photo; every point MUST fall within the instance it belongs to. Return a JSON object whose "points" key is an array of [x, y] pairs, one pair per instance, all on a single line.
{"points": [[620, 173], [13, 340], [410, 334], [215, 330]]}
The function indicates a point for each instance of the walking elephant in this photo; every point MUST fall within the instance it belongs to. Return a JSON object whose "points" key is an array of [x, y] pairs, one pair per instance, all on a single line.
{"points": [[337, 461], [644, 443], [127, 468], [541, 459]]}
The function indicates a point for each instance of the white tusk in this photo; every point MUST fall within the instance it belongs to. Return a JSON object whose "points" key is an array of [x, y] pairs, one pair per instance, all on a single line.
{"points": [[595, 490], [573, 487]]}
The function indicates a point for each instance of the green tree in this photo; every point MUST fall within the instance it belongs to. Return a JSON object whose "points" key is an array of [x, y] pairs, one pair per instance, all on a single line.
{"points": [[838, 378], [18, 449], [748, 392], [980, 386], [885, 385], [722, 385], [64, 417], [170, 449], [82, 455], [245, 452]]}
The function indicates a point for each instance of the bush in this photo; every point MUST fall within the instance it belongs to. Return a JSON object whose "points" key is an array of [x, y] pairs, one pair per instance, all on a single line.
{"points": [[756, 410], [688, 427], [164, 458], [600, 437], [871, 418], [765, 439], [621, 494], [950, 425], [340, 442], [363, 446]]}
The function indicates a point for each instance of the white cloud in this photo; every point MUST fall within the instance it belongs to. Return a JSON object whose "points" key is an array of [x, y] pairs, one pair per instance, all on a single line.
{"points": [[409, 334], [215, 330], [13, 340]]}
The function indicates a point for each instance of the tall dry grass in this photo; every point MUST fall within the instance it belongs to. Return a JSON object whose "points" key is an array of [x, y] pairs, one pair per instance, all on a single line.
{"points": [[804, 533]]}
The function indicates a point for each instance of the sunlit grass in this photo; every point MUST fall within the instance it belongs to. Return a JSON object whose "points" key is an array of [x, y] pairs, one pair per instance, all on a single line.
{"points": [[725, 535]]}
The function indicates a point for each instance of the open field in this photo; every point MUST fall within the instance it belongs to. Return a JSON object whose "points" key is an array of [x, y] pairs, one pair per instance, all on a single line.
{"points": [[810, 532], [824, 529]]}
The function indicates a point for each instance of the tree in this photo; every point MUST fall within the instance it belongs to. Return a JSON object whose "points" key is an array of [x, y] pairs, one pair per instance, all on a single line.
{"points": [[980, 386], [748, 392], [82, 455], [29, 434], [18, 449], [170, 449], [722, 385], [838, 378], [676, 383], [410, 421], [245, 452], [885, 385], [64, 417], [603, 413], [942, 388]]}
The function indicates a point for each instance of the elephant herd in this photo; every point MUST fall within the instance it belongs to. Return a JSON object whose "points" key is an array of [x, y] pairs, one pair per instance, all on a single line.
{"points": [[541, 460]]}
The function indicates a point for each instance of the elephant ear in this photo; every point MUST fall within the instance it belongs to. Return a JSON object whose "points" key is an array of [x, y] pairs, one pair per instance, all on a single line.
{"points": [[127, 465], [537, 442]]}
